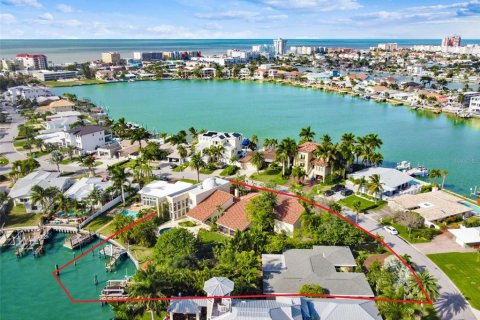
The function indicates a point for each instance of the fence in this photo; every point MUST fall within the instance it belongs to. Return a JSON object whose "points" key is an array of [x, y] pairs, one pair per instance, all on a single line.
{"points": [[103, 209]]}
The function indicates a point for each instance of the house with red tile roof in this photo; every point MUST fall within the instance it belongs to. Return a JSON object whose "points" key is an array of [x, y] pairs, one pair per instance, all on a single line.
{"points": [[307, 160], [236, 217], [287, 215], [210, 207]]}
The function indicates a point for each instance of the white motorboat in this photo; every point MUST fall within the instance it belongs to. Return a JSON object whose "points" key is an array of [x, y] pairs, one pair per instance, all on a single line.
{"points": [[404, 165]]}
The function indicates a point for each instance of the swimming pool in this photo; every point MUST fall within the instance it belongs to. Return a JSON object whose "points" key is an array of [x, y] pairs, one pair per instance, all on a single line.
{"points": [[472, 206], [162, 231], [128, 213]]}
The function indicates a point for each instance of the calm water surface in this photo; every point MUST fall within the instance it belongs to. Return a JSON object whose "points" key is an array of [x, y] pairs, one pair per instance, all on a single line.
{"points": [[29, 290], [277, 111]]}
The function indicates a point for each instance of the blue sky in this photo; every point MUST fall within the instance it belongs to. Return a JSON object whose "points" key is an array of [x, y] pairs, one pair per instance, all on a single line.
{"points": [[63, 19]]}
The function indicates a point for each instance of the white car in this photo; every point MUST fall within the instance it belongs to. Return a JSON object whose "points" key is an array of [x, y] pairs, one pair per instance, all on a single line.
{"points": [[390, 230]]}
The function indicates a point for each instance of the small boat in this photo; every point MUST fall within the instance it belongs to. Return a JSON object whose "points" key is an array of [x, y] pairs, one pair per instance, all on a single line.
{"points": [[419, 171], [404, 165]]}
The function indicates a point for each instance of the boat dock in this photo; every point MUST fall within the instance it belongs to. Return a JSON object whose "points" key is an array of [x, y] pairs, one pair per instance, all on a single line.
{"points": [[34, 242], [114, 253], [78, 240], [114, 289], [5, 237]]}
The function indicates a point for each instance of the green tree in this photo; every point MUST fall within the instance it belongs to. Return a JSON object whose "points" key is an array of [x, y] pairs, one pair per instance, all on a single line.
{"points": [[139, 135], [298, 173], [375, 186], [309, 289], [260, 211], [258, 160], [175, 249], [88, 161], [44, 197], [182, 152], [429, 283], [197, 163], [306, 134], [119, 177], [56, 157], [357, 208]]}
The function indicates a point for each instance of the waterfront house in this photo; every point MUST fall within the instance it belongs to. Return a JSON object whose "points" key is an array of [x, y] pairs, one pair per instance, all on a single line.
{"points": [[210, 208], [20, 192], [287, 215], [260, 74], [246, 161], [434, 206], [312, 166], [231, 142], [61, 105], [235, 218], [82, 188], [63, 124], [13, 94], [328, 266], [467, 237], [180, 196], [87, 139], [393, 182]]}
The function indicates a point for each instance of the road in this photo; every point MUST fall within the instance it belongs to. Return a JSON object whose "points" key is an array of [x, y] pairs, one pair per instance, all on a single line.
{"points": [[451, 304], [6, 141]]}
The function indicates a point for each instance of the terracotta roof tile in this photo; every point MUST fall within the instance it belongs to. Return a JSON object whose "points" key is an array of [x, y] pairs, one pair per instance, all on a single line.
{"points": [[235, 217], [205, 209], [308, 147], [288, 209]]}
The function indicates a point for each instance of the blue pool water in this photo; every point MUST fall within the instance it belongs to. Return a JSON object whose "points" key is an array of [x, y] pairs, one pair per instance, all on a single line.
{"points": [[161, 231], [129, 213], [472, 206]]}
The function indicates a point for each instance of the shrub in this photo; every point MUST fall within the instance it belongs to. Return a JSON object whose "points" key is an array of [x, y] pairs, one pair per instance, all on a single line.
{"points": [[472, 222], [229, 171], [187, 224]]}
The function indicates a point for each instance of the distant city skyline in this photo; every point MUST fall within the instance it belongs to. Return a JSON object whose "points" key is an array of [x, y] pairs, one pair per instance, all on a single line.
{"points": [[214, 19]]}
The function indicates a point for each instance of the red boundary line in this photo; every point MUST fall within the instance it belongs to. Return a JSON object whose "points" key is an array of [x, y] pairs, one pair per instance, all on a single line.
{"points": [[427, 301]]}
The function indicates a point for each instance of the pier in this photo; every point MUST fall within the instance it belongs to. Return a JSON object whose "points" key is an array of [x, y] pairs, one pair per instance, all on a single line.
{"points": [[114, 289], [79, 240], [114, 253], [33, 243]]}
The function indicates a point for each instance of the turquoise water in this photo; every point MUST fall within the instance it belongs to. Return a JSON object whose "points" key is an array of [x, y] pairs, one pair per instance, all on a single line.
{"points": [[28, 289], [278, 111], [80, 50], [472, 206], [129, 213]]}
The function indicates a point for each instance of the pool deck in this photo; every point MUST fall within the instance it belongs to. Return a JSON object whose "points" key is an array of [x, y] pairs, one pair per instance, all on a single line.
{"points": [[176, 224]]}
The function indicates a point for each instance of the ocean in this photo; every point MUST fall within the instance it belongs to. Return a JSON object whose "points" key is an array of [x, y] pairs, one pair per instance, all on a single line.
{"points": [[64, 51]]}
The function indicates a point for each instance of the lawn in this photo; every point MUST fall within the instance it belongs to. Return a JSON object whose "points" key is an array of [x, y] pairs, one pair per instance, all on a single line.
{"points": [[3, 161], [99, 222], [18, 217], [464, 270], [207, 237], [189, 181], [180, 168], [270, 175], [206, 171], [72, 83], [365, 204], [142, 254], [19, 144], [229, 171], [403, 232]]}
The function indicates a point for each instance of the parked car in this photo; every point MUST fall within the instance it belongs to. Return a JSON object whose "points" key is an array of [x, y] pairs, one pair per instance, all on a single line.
{"points": [[390, 230], [173, 166], [329, 193], [338, 187], [163, 177], [346, 192]]}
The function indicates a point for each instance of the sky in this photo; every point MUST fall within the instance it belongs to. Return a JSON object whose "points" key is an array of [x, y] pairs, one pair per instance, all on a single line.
{"points": [[232, 19]]}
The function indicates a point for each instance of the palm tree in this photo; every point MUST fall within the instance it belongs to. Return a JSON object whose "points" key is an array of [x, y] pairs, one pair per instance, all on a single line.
{"points": [[89, 162], [69, 151], [330, 154], [374, 186], [286, 150], [139, 135], [326, 139], [252, 144], [298, 172], [95, 198], [45, 197], [120, 128], [434, 174], [443, 174], [4, 197], [56, 157], [306, 134], [258, 160], [429, 283], [357, 207], [196, 162], [376, 158], [182, 152], [233, 159], [63, 202], [119, 177], [217, 152], [193, 132]]}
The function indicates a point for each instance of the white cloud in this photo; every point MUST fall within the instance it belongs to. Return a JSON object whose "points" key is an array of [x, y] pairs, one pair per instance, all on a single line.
{"points": [[250, 16], [47, 16], [212, 26], [65, 8], [179, 32], [7, 18], [312, 5], [22, 3], [162, 29]]}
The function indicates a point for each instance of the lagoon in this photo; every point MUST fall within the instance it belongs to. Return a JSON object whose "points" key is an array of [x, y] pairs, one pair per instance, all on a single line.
{"points": [[29, 290], [277, 111]]}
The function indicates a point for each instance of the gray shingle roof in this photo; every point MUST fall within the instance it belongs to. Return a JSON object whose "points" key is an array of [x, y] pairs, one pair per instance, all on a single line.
{"points": [[81, 131], [44, 179]]}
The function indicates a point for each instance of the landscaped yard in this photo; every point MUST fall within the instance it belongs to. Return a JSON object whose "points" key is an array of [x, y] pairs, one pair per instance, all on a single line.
{"points": [[18, 217], [3, 161], [72, 83], [417, 236], [207, 237], [365, 204], [189, 181], [99, 222], [180, 168], [464, 270], [270, 175]]}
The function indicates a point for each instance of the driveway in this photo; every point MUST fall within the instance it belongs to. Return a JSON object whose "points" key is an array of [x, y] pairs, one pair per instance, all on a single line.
{"points": [[6, 141], [451, 303], [441, 244]]}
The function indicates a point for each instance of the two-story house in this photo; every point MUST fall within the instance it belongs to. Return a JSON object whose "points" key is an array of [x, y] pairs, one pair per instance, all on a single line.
{"points": [[87, 139], [314, 167], [231, 142]]}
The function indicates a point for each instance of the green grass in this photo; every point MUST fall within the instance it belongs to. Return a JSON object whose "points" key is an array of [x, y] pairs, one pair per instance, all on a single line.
{"points": [[187, 224], [37, 154], [207, 237], [464, 270], [189, 181], [365, 204], [270, 175], [142, 254], [72, 83], [180, 168], [206, 171], [18, 217], [229, 171], [3, 161], [403, 232], [19, 144], [98, 222]]}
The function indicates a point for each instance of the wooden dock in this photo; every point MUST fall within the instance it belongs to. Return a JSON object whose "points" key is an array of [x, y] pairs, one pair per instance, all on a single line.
{"points": [[114, 289], [79, 240], [34, 242], [114, 253], [5, 237]]}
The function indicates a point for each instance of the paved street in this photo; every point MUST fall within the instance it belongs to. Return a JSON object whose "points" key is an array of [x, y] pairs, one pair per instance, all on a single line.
{"points": [[6, 141], [451, 304]]}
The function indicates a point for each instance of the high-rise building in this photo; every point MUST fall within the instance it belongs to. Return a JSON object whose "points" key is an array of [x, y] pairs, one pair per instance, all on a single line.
{"points": [[452, 41], [32, 61], [388, 46], [111, 57], [280, 46]]}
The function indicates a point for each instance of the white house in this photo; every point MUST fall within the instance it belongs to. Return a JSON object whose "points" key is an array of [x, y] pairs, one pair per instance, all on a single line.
{"points": [[26, 92], [20, 193], [231, 142], [467, 237], [83, 187], [87, 139], [180, 196], [474, 105], [62, 123]]}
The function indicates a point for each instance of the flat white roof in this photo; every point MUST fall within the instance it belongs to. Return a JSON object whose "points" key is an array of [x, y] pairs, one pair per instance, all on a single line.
{"points": [[467, 235], [160, 189]]}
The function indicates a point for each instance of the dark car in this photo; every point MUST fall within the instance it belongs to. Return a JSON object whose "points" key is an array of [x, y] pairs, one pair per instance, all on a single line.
{"points": [[346, 192], [329, 193], [173, 166], [163, 177], [338, 187]]}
